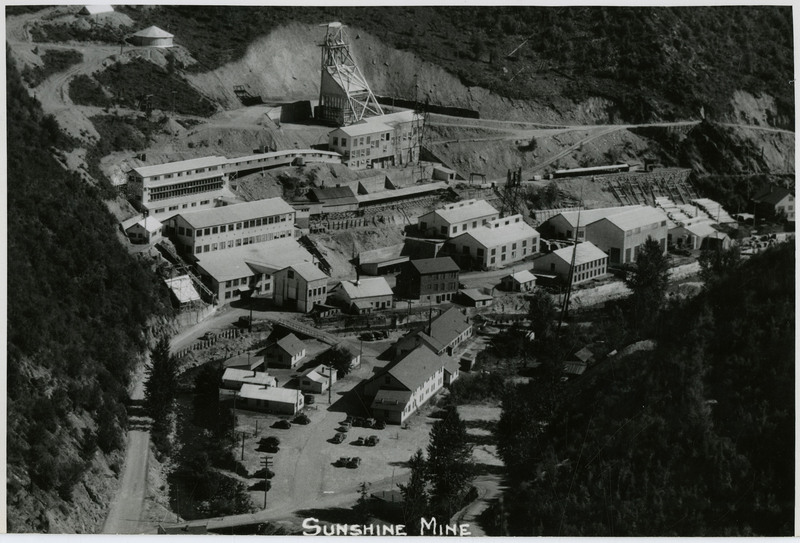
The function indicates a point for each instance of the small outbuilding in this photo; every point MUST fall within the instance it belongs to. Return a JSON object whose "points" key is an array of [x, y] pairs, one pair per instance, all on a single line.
{"points": [[282, 401], [521, 281], [152, 36], [146, 230], [317, 379], [472, 297]]}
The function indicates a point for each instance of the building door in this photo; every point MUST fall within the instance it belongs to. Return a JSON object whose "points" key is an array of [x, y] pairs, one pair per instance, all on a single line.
{"points": [[613, 255]]}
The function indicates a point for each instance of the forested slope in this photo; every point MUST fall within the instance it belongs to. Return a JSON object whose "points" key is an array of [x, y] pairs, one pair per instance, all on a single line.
{"points": [[78, 305], [651, 62], [695, 438]]}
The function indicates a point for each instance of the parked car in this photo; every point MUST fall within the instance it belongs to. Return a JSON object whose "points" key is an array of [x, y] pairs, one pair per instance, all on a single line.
{"points": [[379, 425], [309, 399], [345, 427], [339, 437], [372, 441], [359, 441], [369, 423], [342, 462], [349, 419], [354, 462], [302, 418], [283, 424], [270, 442]]}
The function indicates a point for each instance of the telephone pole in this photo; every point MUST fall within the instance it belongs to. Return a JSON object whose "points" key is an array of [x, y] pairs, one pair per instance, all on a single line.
{"points": [[267, 463]]}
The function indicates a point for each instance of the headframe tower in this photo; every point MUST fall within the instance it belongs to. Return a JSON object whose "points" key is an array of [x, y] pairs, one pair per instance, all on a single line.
{"points": [[344, 95]]}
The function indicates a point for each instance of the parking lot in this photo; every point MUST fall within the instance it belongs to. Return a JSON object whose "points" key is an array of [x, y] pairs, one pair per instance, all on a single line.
{"points": [[304, 468]]}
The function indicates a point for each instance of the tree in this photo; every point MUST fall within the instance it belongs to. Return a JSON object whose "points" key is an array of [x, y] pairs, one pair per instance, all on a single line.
{"points": [[416, 500], [450, 465], [339, 358], [362, 508], [160, 387], [648, 283], [541, 313], [716, 264]]}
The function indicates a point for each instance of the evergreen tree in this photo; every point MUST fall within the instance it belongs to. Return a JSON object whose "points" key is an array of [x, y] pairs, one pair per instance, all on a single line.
{"points": [[648, 283], [415, 493], [161, 384], [450, 465], [541, 313]]}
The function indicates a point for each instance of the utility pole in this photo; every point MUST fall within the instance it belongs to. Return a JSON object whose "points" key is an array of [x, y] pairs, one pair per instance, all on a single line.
{"points": [[267, 463], [242, 457]]}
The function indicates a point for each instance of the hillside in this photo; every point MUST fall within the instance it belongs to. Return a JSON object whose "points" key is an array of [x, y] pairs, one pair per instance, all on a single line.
{"points": [[649, 63], [691, 439], [80, 312]]}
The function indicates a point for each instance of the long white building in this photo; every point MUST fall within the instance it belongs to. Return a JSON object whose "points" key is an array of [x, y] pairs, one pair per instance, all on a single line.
{"points": [[228, 227], [457, 218]]}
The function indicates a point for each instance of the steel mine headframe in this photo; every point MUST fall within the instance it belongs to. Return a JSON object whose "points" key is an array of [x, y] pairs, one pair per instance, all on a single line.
{"points": [[344, 95]]}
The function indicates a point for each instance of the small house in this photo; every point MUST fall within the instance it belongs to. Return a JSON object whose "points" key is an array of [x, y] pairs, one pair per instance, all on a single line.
{"points": [[363, 296], [146, 230], [472, 297], [317, 380], [287, 352]]}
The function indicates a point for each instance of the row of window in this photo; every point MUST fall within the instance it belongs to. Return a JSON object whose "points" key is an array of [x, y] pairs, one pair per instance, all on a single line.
{"points": [[182, 189], [318, 291], [184, 206], [253, 223], [435, 287], [238, 242], [587, 265], [187, 172], [589, 274]]}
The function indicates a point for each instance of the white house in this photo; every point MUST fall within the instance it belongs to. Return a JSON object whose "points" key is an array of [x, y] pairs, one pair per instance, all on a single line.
{"points": [[287, 352], [234, 378], [521, 281], [146, 230], [317, 379]]}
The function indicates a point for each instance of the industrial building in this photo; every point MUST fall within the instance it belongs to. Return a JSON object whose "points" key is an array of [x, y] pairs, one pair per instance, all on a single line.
{"points": [[228, 227], [143, 230], [248, 270], [590, 263], [379, 142], [563, 225], [363, 296], [282, 401], [164, 190], [496, 244], [621, 235], [454, 219], [429, 280], [300, 287]]}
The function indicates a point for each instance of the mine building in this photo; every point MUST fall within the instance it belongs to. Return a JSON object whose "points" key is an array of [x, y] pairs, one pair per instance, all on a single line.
{"points": [[363, 296], [228, 227], [287, 352], [521, 281], [457, 218], [432, 280], [300, 287], [379, 142], [497, 244], [590, 263]]}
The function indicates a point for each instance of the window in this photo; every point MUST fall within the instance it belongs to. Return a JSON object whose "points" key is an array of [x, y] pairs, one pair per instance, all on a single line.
{"points": [[494, 251], [205, 248], [238, 226], [474, 224], [238, 243], [335, 140], [344, 142], [215, 230], [206, 231], [198, 250], [223, 228], [290, 274], [492, 261], [173, 208], [204, 202], [463, 227], [367, 140], [181, 231], [503, 249], [513, 246]]}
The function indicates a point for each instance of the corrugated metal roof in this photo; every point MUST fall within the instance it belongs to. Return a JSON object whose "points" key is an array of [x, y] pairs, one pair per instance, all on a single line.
{"points": [[237, 212], [366, 288], [585, 252], [772, 195], [435, 265], [181, 166], [400, 193], [334, 195], [474, 210], [368, 126]]}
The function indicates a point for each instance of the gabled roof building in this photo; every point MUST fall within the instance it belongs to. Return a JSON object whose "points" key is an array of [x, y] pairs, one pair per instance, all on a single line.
{"points": [[457, 218], [590, 263], [498, 243]]}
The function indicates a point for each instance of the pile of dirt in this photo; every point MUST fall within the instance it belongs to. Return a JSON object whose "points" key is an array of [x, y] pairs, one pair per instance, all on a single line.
{"points": [[343, 247]]}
